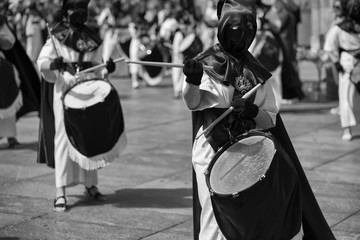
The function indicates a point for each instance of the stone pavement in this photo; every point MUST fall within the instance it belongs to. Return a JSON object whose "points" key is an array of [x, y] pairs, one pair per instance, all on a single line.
{"points": [[149, 187]]}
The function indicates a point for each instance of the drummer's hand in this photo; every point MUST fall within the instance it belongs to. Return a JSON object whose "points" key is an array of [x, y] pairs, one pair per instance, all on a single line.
{"points": [[244, 108], [110, 65], [69, 79], [58, 64], [193, 71]]}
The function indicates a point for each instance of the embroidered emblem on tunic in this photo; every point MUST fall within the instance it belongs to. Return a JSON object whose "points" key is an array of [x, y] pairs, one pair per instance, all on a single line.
{"points": [[242, 84]]}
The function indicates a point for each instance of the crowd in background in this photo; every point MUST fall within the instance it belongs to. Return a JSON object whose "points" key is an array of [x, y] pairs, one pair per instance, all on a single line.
{"points": [[159, 20], [124, 25]]}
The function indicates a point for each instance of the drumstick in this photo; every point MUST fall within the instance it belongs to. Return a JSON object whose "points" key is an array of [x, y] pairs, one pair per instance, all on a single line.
{"points": [[100, 65], [52, 40], [164, 64], [210, 127]]}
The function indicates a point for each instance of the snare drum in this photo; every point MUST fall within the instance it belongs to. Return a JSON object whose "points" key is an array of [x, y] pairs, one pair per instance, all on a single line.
{"points": [[94, 123], [150, 51], [254, 189], [191, 46]]}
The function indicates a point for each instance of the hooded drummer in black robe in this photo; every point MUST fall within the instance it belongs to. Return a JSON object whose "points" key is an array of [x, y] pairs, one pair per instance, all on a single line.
{"points": [[209, 94], [30, 81], [28, 85]]}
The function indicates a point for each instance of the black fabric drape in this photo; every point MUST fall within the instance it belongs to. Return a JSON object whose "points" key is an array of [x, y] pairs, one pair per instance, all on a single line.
{"points": [[46, 126], [314, 223], [30, 82]]}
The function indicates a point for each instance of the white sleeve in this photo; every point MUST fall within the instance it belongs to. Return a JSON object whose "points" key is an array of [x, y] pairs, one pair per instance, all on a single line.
{"points": [[214, 94], [47, 53], [331, 43]]}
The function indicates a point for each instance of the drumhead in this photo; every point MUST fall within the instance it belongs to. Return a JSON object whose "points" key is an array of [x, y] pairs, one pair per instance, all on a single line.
{"points": [[241, 165], [86, 93], [186, 42]]}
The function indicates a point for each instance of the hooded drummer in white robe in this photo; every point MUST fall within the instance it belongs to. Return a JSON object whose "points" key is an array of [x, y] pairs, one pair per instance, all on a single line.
{"points": [[73, 45]]}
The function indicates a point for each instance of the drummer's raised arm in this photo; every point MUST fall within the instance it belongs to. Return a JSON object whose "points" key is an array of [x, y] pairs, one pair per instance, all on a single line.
{"points": [[44, 60]]}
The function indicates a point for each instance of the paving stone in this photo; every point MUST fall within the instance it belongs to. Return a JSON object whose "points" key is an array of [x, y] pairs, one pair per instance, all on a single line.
{"points": [[53, 229], [350, 224], [19, 172], [14, 209], [7, 219], [148, 188]]}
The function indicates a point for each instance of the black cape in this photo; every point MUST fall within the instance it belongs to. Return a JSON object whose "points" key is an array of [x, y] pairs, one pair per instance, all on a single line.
{"points": [[314, 223], [30, 81], [46, 143]]}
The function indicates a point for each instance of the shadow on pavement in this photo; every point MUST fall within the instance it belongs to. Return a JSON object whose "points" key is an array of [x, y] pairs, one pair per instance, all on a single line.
{"points": [[304, 106], [142, 198], [29, 145]]}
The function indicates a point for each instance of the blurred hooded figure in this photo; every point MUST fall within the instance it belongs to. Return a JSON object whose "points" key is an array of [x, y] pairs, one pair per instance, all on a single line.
{"points": [[21, 85]]}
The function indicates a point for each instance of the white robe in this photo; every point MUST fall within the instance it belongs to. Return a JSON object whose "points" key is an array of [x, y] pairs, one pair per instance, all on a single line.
{"points": [[220, 96], [349, 98]]}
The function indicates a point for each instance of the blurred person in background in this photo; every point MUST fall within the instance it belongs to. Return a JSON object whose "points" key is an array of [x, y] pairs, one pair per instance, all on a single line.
{"points": [[342, 47], [186, 25], [10, 93], [35, 29], [283, 20], [20, 73], [143, 31], [210, 23], [338, 11], [266, 48], [29, 78], [339, 16], [114, 20]]}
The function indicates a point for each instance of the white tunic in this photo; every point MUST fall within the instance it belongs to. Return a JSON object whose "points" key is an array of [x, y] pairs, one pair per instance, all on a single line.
{"points": [[349, 98]]}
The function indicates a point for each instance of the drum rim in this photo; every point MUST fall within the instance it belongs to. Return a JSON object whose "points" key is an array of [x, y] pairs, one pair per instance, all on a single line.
{"points": [[223, 149], [80, 82]]}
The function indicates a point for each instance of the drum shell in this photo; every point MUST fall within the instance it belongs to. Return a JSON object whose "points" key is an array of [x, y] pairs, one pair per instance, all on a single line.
{"points": [[95, 129], [270, 209], [125, 46], [154, 56]]}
